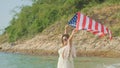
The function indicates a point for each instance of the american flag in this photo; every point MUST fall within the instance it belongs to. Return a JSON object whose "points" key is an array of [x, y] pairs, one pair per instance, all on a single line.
{"points": [[82, 22]]}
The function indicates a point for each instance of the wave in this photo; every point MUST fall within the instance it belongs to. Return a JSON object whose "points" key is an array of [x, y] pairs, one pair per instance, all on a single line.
{"points": [[117, 65]]}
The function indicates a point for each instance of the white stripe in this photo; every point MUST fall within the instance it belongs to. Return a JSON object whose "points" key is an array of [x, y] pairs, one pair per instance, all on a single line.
{"points": [[81, 21], [99, 27], [93, 25], [87, 22], [105, 31]]}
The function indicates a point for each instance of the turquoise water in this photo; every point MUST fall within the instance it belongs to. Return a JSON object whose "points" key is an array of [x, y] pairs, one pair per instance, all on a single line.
{"points": [[8, 60]]}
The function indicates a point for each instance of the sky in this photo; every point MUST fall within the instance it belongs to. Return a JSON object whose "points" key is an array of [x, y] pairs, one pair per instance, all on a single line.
{"points": [[6, 11]]}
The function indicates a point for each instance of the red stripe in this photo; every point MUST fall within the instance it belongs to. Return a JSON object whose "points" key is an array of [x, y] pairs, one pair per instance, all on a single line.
{"points": [[107, 30], [95, 32], [102, 28], [90, 24], [78, 20], [84, 22], [96, 26]]}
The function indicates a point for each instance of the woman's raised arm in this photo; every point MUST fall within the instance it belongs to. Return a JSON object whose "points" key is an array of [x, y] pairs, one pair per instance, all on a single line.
{"points": [[66, 29], [71, 36]]}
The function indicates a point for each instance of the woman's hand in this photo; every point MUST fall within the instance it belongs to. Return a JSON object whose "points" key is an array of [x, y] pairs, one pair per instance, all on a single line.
{"points": [[74, 31], [66, 29]]}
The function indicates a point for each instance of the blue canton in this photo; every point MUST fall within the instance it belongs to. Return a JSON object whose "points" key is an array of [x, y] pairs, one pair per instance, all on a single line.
{"points": [[72, 22]]}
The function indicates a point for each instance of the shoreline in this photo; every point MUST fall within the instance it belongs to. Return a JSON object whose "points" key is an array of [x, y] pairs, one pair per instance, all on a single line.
{"points": [[38, 52], [42, 46]]}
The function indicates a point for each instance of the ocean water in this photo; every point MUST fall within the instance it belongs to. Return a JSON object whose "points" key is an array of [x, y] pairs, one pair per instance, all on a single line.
{"points": [[9, 60]]}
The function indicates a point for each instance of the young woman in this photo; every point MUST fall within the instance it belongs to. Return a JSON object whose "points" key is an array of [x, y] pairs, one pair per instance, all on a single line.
{"points": [[67, 51]]}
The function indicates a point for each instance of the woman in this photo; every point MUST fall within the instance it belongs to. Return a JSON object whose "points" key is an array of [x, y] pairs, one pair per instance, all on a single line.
{"points": [[67, 51]]}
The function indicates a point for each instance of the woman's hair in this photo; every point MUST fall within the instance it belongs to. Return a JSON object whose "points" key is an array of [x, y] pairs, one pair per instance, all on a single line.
{"points": [[64, 35]]}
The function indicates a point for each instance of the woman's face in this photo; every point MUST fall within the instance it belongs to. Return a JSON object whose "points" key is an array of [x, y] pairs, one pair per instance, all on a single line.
{"points": [[65, 40]]}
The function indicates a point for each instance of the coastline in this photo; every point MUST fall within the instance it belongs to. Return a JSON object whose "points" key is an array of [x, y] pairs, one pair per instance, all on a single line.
{"points": [[44, 45], [38, 52]]}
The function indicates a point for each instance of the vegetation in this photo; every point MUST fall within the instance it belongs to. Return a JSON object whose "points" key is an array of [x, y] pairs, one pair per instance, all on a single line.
{"points": [[43, 13]]}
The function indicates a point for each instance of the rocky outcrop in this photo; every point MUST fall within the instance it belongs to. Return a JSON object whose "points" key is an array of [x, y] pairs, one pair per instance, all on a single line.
{"points": [[85, 43]]}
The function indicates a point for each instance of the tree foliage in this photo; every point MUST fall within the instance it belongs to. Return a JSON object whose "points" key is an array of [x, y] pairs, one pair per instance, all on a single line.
{"points": [[34, 19]]}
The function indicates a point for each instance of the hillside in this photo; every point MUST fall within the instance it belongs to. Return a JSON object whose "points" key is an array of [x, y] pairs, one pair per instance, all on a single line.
{"points": [[45, 37]]}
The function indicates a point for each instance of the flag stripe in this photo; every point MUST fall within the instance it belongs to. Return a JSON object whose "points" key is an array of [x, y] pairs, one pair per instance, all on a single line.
{"points": [[87, 23], [99, 27], [93, 25], [81, 21], [84, 22], [105, 31], [96, 26], [78, 20], [102, 28], [90, 24]]}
